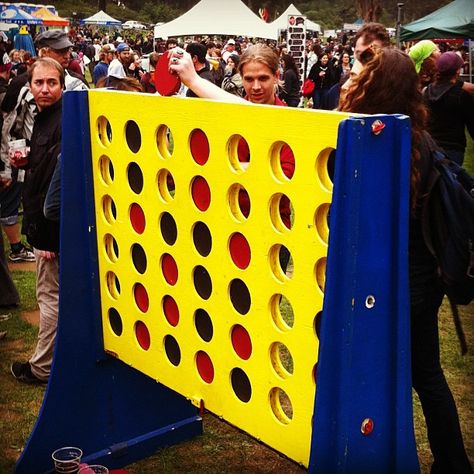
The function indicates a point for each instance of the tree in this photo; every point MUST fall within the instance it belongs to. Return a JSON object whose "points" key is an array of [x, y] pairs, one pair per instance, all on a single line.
{"points": [[369, 10], [102, 4]]}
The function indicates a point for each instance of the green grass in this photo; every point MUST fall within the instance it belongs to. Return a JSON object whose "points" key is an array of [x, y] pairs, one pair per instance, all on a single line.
{"points": [[222, 448], [469, 155]]}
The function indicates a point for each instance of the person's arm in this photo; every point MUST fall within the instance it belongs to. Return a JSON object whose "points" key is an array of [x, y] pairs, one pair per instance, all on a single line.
{"points": [[182, 65], [468, 87], [52, 203], [468, 111]]}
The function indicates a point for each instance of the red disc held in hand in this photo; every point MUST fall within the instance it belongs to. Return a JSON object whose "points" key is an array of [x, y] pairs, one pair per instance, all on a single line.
{"points": [[166, 82]]}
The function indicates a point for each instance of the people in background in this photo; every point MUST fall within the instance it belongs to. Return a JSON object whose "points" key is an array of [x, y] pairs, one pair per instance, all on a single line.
{"points": [[451, 108], [291, 87], [232, 81], [198, 52], [323, 75]]}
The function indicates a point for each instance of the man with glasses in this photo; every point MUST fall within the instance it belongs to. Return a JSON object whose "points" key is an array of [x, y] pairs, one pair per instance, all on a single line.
{"points": [[55, 44], [369, 38]]}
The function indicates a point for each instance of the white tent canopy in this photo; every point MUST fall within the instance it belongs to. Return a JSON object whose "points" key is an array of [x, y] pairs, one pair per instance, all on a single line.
{"points": [[101, 18], [218, 17], [281, 23]]}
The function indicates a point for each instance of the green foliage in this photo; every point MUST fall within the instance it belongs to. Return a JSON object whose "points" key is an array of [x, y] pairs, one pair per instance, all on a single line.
{"points": [[469, 154], [330, 14], [159, 12]]}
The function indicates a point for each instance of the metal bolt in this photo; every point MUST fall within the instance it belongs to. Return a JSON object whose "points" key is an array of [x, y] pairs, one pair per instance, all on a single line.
{"points": [[377, 127], [367, 426], [370, 302]]}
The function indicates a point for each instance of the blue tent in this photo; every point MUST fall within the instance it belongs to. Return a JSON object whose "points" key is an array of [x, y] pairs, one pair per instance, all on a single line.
{"points": [[13, 14]]}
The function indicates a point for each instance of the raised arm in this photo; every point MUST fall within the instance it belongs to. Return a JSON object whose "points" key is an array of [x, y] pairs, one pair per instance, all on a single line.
{"points": [[182, 64]]}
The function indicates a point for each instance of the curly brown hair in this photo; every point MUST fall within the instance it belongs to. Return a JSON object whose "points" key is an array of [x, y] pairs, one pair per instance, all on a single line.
{"points": [[428, 71], [389, 84]]}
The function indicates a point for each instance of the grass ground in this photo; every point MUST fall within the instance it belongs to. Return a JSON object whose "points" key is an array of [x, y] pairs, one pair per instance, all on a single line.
{"points": [[222, 448]]}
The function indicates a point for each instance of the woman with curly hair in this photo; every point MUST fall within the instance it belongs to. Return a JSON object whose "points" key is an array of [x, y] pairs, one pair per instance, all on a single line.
{"points": [[389, 84]]}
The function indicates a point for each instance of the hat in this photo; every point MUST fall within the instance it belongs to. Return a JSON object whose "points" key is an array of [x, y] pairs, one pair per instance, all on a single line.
{"points": [[123, 47], [420, 51], [56, 39], [231, 41], [449, 63], [235, 58]]}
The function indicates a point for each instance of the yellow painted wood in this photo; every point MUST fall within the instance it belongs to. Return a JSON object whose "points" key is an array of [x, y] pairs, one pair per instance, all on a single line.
{"points": [[165, 123]]}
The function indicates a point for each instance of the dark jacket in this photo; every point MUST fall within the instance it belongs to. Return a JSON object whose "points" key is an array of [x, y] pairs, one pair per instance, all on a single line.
{"points": [[45, 144], [205, 73], [326, 81], [291, 89], [13, 91], [451, 109]]}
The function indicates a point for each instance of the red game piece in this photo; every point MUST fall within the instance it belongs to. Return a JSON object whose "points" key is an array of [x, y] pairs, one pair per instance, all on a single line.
{"points": [[166, 82]]}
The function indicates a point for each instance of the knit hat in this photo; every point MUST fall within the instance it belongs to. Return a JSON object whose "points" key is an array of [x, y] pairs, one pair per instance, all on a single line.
{"points": [[448, 63], [420, 51]]}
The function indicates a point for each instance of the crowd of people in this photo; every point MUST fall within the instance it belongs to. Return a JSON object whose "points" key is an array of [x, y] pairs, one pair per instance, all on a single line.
{"points": [[364, 74]]}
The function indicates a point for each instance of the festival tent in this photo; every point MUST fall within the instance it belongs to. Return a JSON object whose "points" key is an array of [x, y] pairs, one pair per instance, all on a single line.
{"points": [[218, 17], [454, 20], [50, 19], [101, 19], [16, 15], [281, 23]]}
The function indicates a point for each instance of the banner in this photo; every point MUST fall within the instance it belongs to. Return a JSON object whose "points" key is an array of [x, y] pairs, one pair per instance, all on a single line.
{"points": [[296, 41]]}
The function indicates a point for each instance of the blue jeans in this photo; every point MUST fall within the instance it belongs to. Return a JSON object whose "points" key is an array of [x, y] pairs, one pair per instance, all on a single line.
{"points": [[319, 98]]}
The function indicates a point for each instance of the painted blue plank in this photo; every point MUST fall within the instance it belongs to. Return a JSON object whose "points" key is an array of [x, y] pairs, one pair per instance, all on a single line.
{"points": [[364, 356], [115, 414]]}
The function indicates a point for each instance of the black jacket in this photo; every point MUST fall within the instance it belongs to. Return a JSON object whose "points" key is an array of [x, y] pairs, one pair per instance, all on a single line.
{"points": [[451, 109], [323, 82], [45, 144], [205, 73]]}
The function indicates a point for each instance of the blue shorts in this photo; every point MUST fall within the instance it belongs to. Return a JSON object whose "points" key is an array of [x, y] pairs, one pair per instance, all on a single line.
{"points": [[10, 199]]}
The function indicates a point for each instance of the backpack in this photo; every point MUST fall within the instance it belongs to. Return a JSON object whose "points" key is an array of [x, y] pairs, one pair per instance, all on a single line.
{"points": [[448, 230]]}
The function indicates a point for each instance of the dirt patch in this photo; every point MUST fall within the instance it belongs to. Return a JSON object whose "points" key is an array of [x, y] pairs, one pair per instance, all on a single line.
{"points": [[31, 317]]}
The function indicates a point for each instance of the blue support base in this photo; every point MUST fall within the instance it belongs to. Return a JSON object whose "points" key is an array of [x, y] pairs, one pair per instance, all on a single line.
{"points": [[115, 414], [364, 357]]}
